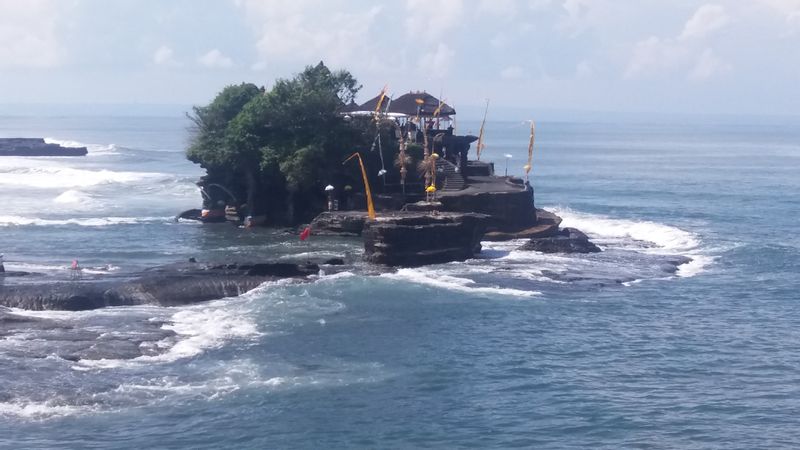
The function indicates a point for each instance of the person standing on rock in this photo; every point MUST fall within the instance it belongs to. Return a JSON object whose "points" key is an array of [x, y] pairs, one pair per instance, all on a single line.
{"points": [[2, 268]]}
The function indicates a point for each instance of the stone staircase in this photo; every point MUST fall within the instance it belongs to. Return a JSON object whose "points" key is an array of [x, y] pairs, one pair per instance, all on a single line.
{"points": [[450, 176]]}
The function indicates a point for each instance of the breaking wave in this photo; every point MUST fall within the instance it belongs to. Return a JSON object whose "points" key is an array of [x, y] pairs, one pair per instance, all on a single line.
{"points": [[442, 279], [641, 236], [10, 221], [53, 176], [91, 148]]}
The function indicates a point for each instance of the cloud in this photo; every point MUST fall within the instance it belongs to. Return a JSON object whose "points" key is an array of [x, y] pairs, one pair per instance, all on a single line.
{"points": [[576, 19], [660, 56], [431, 20], [789, 9], [706, 20], [539, 5], [501, 8], [164, 56], [304, 30], [29, 35], [512, 73], [656, 55], [707, 65], [215, 59], [584, 70], [436, 64]]}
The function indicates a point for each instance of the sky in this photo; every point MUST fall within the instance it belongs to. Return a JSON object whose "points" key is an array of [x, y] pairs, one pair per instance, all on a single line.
{"points": [[672, 56]]}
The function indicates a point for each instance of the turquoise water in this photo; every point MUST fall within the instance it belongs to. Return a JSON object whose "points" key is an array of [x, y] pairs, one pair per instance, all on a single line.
{"points": [[513, 349]]}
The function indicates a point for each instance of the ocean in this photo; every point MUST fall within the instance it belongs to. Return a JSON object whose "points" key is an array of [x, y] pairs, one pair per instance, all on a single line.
{"points": [[511, 349]]}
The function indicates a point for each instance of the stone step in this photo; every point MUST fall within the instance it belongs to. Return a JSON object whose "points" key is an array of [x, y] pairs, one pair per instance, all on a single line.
{"points": [[452, 178]]}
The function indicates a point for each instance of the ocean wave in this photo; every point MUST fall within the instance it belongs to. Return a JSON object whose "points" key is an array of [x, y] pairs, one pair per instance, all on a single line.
{"points": [[197, 328], [73, 197], [10, 221], [641, 236], [452, 283], [54, 176], [662, 237], [91, 148], [40, 410]]}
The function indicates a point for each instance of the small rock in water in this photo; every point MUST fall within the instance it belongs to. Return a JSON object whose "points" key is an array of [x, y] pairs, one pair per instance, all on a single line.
{"points": [[568, 240]]}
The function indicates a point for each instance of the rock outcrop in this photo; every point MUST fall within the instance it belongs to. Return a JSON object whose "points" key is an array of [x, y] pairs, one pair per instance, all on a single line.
{"points": [[509, 206], [36, 147], [339, 223], [416, 239], [568, 240], [172, 285]]}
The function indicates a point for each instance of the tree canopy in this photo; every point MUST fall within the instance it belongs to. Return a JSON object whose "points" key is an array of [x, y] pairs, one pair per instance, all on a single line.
{"points": [[276, 146]]}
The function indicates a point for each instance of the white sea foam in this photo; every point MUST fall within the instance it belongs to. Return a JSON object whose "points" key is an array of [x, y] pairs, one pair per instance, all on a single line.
{"points": [[9, 221], [39, 410], [642, 236], [452, 283], [74, 197], [91, 148], [196, 332], [56, 176], [664, 237], [197, 328]]}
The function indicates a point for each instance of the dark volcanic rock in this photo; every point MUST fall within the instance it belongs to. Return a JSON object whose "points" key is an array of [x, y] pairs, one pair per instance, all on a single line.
{"points": [[36, 147], [508, 210], [568, 240], [534, 232], [419, 239], [339, 223], [172, 285]]}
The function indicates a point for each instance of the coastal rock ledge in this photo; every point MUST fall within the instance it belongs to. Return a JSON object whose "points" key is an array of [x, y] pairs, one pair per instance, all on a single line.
{"points": [[172, 285], [36, 147], [568, 240], [416, 239]]}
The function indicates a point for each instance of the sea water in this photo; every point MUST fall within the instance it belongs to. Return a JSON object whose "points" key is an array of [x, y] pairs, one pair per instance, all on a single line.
{"points": [[511, 349]]}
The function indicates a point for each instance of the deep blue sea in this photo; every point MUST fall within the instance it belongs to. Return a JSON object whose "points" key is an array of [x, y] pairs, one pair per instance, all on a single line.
{"points": [[512, 349]]}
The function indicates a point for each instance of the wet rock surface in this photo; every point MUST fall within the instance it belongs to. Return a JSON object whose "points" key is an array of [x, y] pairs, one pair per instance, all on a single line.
{"points": [[416, 239], [36, 147], [171, 285], [339, 223], [568, 240]]}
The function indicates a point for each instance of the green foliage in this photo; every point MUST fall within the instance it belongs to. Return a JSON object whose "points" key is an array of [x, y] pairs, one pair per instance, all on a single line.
{"points": [[286, 139], [208, 147]]}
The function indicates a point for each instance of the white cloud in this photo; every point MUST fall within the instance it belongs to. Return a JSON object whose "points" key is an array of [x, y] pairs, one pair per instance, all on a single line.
{"points": [[512, 73], [29, 34], [539, 5], [706, 20], [164, 56], [584, 70], [656, 55], [304, 30], [660, 56], [501, 8], [431, 20], [436, 64], [707, 65], [576, 18], [786, 7], [789, 9], [215, 59]]}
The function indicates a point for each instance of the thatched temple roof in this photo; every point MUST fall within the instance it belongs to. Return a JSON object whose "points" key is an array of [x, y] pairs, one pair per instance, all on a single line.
{"points": [[407, 104]]}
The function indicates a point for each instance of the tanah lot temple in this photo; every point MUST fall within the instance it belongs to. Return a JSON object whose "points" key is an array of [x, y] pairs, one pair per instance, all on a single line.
{"points": [[440, 210]]}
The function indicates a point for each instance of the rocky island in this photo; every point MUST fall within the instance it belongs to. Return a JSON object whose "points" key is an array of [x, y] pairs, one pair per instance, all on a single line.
{"points": [[285, 157], [37, 147]]}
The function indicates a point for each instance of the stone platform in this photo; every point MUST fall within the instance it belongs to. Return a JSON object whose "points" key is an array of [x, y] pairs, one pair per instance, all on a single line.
{"points": [[36, 147], [418, 238]]}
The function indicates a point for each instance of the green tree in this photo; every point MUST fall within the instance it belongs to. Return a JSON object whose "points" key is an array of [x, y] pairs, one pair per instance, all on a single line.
{"points": [[278, 146]]}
